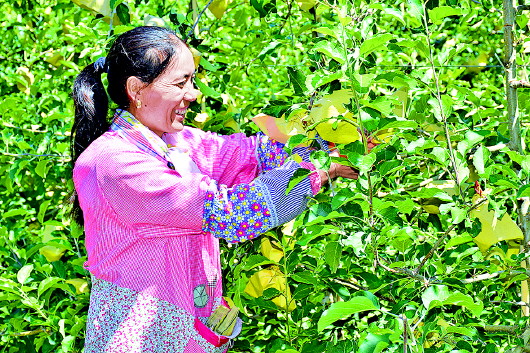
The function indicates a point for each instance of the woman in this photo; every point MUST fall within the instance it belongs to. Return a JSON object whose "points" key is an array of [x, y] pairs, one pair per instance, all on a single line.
{"points": [[154, 197]]}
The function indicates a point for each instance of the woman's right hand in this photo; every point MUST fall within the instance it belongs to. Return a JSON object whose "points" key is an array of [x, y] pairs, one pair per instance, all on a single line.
{"points": [[338, 170]]}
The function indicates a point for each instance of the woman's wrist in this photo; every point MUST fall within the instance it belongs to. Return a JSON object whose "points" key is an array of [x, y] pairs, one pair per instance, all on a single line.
{"points": [[323, 176]]}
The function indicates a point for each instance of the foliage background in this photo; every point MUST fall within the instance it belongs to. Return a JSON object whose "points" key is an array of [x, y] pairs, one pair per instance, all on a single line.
{"points": [[352, 263]]}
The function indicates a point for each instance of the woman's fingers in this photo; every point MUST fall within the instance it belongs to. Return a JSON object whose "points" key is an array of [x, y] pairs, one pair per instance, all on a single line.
{"points": [[343, 171]]}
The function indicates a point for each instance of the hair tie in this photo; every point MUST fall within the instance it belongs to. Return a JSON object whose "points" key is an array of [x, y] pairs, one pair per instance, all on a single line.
{"points": [[101, 65]]}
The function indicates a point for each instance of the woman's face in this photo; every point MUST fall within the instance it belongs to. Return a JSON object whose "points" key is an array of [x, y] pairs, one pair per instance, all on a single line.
{"points": [[165, 100]]}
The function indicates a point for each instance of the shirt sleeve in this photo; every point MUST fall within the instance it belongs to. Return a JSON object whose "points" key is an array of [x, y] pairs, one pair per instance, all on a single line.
{"points": [[271, 153], [247, 210]]}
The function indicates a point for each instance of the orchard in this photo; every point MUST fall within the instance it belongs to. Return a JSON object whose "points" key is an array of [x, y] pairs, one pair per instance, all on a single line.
{"points": [[428, 251]]}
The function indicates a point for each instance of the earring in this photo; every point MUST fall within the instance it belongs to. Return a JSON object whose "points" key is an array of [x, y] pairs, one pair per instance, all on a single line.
{"points": [[138, 103]]}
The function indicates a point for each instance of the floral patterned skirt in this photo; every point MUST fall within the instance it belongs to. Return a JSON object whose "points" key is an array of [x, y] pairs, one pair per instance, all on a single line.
{"points": [[121, 320]]}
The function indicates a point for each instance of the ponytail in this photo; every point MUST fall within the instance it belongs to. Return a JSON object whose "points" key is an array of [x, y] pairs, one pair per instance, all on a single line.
{"points": [[91, 108]]}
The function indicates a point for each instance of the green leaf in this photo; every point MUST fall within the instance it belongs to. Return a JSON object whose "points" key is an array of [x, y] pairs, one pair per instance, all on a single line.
{"points": [[341, 197], [328, 31], [405, 206], [268, 49], [205, 64], [299, 175], [295, 141], [525, 164], [276, 108], [415, 9], [332, 255], [256, 260], [375, 43], [439, 295], [297, 80], [24, 273], [446, 107], [458, 239], [341, 310], [480, 157], [471, 139], [15, 212], [381, 104], [320, 159], [389, 166], [374, 343], [114, 3], [458, 214], [321, 78], [441, 155], [46, 284], [305, 277], [362, 162], [434, 293], [263, 7], [123, 14], [437, 14], [207, 91], [524, 191], [400, 124], [42, 210], [303, 291], [332, 50], [465, 301]]}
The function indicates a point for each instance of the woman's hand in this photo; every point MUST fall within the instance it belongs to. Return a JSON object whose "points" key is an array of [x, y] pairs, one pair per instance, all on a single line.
{"points": [[338, 170]]}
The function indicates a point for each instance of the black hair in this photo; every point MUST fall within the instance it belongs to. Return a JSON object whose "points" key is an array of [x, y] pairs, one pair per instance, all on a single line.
{"points": [[144, 52]]}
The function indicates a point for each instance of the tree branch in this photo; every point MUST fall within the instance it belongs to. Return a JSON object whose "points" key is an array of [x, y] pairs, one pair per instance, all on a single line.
{"points": [[519, 84], [192, 29], [522, 8], [486, 276]]}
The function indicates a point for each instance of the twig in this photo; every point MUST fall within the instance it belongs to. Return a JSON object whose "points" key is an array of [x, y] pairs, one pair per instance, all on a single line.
{"points": [[31, 333], [433, 249], [509, 302], [522, 8], [487, 276], [190, 32], [6, 124], [496, 147], [442, 238], [62, 158], [405, 331], [519, 84], [501, 328], [359, 288], [349, 284]]}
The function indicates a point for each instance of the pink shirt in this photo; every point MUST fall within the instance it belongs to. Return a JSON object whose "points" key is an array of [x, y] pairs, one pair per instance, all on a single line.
{"points": [[144, 221]]}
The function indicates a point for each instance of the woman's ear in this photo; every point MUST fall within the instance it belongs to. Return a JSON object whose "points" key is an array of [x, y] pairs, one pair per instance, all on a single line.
{"points": [[134, 85]]}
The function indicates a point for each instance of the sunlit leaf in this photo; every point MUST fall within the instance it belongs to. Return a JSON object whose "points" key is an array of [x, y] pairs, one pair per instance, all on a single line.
{"points": [[332, 50], [24, 273], [375, 43], [332, 255], [342, 310], [437, 14], [271, 277]]}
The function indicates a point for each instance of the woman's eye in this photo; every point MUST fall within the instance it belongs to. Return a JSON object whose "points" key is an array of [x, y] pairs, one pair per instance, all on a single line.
{"points": [[182, 84]]}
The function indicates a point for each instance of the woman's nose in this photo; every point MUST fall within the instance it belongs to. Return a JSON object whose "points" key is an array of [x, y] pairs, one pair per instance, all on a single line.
{"points": [[191, 93]]}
